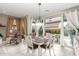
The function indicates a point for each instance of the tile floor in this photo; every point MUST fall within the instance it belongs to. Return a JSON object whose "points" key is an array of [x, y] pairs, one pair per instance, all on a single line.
{"points": [[21, 50]]}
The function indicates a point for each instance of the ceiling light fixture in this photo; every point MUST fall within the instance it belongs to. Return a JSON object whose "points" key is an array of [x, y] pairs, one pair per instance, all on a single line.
{"points": [[39, 18]]}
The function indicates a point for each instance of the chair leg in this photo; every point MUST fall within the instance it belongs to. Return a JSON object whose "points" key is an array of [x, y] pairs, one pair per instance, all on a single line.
{"points": [[39, 51], [45, 49], [49, 51], [27, 53], [44, 52], [33, 51], [54, 52]]}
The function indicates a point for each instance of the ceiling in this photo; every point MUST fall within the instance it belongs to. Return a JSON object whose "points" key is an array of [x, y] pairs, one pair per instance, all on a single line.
{"points": [[32, 9]]}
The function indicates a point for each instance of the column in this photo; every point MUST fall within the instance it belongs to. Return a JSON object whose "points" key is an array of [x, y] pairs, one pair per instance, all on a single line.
{"points": [[62, 32], [29, 25]]}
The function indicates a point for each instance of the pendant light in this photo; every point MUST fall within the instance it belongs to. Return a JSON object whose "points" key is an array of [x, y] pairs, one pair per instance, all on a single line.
{"points": [[39, 17]]}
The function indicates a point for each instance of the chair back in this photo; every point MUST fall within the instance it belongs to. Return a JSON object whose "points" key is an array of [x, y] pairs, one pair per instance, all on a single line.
{"points": [[29, 41]]}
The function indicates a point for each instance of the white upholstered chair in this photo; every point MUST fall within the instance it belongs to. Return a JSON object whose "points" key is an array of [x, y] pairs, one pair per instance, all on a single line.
{"points": [[50, 43], [28, 40]]}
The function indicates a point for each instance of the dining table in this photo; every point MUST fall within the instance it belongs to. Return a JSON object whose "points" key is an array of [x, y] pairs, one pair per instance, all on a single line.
{"points": [[40, 41]]}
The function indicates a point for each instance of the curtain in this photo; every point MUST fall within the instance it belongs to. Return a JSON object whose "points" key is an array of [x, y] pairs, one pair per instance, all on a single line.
{"points": [[18, 25], [23, 25], [9, 24], [72, 18], [26, 26]]}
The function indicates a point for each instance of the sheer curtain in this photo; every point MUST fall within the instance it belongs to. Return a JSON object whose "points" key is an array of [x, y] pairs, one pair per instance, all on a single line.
{"points": [[72, 18]]}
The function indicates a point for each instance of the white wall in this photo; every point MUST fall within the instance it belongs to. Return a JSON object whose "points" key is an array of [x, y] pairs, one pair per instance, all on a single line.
{"points": [[78, 15], [3, 21]]}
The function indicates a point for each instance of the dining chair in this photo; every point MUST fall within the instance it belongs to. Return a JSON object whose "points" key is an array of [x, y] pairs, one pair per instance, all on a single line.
{"points": [[29, 44], [50, 44], [8, 40]]}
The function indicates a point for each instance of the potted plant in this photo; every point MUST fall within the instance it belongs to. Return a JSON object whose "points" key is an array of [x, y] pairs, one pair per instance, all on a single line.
{"points": [[1, 36]]}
